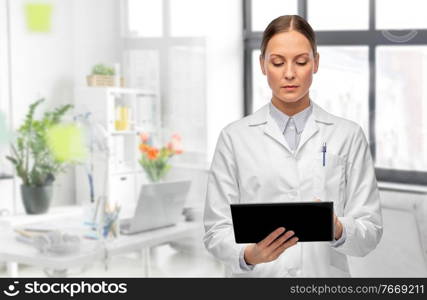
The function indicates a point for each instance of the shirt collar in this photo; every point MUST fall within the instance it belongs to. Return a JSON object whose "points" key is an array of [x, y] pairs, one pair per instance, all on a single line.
{"points": [[282, 119]]}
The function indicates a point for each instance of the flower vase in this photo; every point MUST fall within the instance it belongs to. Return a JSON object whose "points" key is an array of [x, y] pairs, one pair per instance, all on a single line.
{"points": [[156, 175]]}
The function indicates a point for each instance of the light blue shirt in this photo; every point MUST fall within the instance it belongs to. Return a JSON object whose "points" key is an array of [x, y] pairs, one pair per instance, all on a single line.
{"points": [[292, 128]]}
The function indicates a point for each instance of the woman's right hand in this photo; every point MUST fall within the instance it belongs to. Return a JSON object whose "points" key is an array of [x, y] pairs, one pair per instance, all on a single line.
{"points": [[269, 248]]}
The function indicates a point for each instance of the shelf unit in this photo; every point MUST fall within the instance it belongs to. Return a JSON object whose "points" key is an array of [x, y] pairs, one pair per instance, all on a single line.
{"points": [[118, 169]]}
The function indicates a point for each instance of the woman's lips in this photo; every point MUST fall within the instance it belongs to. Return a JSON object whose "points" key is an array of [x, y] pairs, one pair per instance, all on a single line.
{"points": [[290, 87]]}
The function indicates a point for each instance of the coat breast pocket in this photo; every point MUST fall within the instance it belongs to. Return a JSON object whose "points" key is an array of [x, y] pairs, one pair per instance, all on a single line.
{"points": [[329, 179]]}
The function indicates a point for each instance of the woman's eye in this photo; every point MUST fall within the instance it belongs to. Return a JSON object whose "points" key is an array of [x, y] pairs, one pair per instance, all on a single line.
{"points": [[302, 63], [277, 64]]}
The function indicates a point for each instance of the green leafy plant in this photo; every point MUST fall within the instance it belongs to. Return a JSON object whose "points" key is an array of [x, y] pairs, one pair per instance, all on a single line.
{"points": [[33, 160], [101, 69]]}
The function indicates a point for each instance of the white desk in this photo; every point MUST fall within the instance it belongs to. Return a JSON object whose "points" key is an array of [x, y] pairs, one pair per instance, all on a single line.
{"points": [[14, 252]]}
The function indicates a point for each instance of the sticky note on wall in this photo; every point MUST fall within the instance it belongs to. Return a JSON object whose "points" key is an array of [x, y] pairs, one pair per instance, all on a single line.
{"points": [[39, 17], [67, 143]]}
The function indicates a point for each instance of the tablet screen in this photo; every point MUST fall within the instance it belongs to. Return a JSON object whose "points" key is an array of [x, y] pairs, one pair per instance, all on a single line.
{"points": [[311, 221]]}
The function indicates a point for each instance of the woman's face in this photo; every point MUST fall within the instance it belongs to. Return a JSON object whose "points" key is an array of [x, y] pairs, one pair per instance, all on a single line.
{"points": [[289, 64]]}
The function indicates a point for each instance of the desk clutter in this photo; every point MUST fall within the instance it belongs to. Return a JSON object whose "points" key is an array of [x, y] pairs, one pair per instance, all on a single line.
{"points": [[100, 223], [49, 242], [102, 220]]}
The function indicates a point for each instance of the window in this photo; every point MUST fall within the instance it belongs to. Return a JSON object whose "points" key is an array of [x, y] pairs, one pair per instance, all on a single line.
{"points": [[401, 87], [398, 14], [144, 18], [188, 18], [263, 11], [378, 73], [338, 14], [346, 69], [164, 50], [261, 90]]}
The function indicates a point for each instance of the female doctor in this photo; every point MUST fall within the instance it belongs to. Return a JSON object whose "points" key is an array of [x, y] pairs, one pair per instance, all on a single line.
{"points": [[276, 155]]}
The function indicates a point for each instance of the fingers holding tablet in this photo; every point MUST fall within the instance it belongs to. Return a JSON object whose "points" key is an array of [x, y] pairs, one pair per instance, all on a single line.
{"points": [[271, 247]]}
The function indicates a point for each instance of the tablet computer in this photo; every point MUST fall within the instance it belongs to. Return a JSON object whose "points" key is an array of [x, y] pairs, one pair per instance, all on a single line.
{"points": [[311, 221]]}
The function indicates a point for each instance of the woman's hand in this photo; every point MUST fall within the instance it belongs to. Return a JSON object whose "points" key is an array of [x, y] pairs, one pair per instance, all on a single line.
{"points": [[338, 228], [269, 248]]}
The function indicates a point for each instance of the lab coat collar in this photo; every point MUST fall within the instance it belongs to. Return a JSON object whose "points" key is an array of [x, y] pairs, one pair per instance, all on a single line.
{"points": [[282, 119], [263, 117]]}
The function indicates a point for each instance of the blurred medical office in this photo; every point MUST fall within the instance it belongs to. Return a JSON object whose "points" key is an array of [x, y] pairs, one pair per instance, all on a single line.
{"points": [[109, 105]]}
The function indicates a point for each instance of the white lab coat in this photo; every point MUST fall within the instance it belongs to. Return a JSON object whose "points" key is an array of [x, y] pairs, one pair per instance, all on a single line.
{"points": [[253, 163]]}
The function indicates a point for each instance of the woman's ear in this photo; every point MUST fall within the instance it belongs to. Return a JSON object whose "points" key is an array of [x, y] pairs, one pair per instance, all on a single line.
{"points": [[316, 62], [261, 62]]}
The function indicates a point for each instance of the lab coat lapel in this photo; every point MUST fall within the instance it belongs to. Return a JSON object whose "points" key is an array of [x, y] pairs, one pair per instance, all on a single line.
{"points": [[311, 128], [317, 116], [273, 131]]}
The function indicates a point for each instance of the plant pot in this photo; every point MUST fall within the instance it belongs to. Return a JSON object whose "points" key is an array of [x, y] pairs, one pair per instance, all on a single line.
{"points": [[102, 80], [36, 199]]}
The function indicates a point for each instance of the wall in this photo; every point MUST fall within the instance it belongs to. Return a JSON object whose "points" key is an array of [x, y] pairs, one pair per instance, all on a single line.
{"points": [[402, 251], [224, 68], [4, 82], [96, 35]]}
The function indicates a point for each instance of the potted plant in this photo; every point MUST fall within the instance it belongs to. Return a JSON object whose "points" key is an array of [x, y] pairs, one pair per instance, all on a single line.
{"points": [[33, 160], [155, 161], [103, 75]]}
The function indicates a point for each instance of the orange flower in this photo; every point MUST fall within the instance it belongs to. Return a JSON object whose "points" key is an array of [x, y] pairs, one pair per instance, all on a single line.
{"points": [[175, 144], [152, 153], [144, 148], [144, 137]]}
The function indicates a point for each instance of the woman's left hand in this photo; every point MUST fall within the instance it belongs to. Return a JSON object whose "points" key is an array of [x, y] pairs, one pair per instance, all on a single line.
{"points": [[338, 228]]}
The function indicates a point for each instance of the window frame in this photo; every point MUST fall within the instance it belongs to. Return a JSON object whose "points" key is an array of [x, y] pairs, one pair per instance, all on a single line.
{"points": [[371, 38], [162, 43]]}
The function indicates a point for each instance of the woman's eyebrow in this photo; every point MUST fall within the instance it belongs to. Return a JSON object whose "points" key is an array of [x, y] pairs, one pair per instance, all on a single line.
{"points": [[281, 56]]}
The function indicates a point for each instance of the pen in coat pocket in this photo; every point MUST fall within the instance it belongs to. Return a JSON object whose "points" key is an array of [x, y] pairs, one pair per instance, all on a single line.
{"points": [[324, 153]]}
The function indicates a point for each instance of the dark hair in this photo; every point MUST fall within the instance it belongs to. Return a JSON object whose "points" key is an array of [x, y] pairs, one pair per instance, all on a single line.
{"points": [[288, 23]]}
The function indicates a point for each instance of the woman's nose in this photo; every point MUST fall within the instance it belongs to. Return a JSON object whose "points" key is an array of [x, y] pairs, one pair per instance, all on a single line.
{"points": [[289, 73]]}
